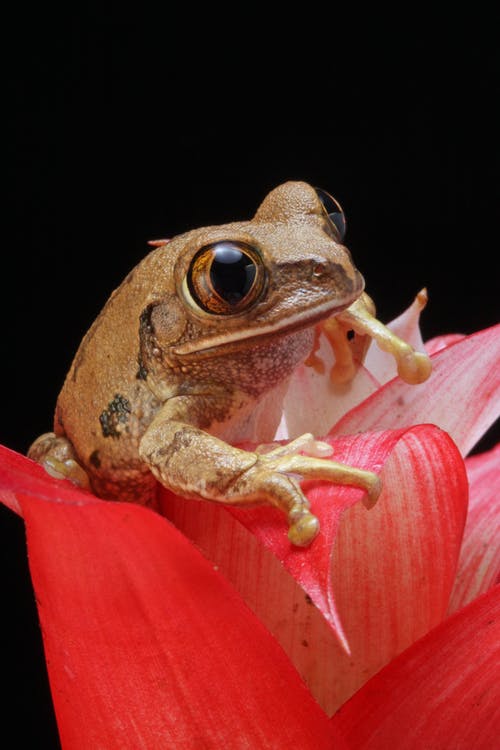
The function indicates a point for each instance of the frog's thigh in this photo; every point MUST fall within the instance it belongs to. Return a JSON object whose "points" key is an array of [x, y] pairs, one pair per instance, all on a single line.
{"points": [[55, 453], [191, 462]]}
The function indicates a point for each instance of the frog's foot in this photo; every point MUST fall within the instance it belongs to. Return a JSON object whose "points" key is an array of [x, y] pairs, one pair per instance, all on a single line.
{"points": [[348, 345], [58, 458], [274, 477], [359, 319], [413, 367]]}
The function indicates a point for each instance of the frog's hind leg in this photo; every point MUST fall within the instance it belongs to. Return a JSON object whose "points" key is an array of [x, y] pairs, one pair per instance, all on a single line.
{"points": [[55, 453]]}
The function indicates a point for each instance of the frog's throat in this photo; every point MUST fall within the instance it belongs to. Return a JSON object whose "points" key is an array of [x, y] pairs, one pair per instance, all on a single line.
{"points": [[295, 322]]}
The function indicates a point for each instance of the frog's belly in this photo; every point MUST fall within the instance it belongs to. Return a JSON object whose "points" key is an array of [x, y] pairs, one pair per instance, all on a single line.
{"points": [[259, 420], [258, 423]]}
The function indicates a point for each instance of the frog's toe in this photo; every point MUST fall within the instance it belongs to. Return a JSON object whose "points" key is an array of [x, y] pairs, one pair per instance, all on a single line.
{"points": [[69, 469], [56, 455], [305, 443], [303, 530]]}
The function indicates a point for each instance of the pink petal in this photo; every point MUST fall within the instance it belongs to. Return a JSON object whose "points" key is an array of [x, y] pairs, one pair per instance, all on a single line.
{"points": [[379, 583], [379, 363], [147, 646], [441, 693], [479, 564], [462, 396], [441, 342]]}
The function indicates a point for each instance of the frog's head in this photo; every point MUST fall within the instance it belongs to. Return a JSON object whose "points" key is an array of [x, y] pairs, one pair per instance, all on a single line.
{"points": [[285, 269]]}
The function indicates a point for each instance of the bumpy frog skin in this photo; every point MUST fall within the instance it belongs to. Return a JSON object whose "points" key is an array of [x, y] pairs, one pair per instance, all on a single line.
{"points": [[193, 352]]}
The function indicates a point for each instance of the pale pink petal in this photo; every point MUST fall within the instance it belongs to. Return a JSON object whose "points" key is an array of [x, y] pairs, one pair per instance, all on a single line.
{"points": [[441, 694], [479, 564], [462, 396], [313, 403], [379, 363], [388, 573]]}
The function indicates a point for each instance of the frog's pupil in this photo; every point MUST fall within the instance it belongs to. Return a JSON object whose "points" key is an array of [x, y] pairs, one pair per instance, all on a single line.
{"points": [[232, 272]]}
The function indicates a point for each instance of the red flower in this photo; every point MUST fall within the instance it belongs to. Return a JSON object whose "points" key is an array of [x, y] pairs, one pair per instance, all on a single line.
{"points": [[149, 644]]}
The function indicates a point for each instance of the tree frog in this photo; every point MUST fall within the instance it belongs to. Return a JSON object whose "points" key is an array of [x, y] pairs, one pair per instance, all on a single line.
{"points": [[192, 354]]}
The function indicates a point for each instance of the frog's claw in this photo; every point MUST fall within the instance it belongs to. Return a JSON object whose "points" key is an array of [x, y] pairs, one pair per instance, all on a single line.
{"points": [[58, 458]]}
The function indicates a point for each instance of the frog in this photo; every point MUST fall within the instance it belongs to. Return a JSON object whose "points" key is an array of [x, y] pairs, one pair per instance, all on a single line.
{"points": [[191, 356]]}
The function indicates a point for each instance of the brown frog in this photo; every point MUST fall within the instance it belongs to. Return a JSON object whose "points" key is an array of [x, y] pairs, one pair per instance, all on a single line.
{"points": [[193, 352]]}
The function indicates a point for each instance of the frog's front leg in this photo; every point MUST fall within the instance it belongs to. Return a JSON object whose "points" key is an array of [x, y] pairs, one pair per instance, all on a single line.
{"points": [[413, 367], [359, 319], [194, 463]]}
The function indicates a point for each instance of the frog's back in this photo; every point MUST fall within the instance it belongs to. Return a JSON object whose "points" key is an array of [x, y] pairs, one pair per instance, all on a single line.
{"points": [[105, 405]]}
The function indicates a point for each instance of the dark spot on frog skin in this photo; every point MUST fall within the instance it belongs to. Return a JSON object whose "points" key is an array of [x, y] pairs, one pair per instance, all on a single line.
{"points": [[116, 414], [142, 372], [95, 460], [147, 342], [145, 325], [59, 419], [305, 643], [308, 599], [181, 439]]}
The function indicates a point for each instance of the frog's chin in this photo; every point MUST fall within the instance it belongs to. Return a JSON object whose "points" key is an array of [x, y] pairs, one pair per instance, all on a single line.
{"points": [[217, 343]]}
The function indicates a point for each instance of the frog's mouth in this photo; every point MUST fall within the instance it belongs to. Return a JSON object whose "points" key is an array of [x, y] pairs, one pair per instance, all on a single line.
{"points": [[227, 341]]}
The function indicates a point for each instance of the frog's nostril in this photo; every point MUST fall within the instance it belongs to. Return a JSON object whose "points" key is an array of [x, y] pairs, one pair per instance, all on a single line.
{"points": [[319, 269]]}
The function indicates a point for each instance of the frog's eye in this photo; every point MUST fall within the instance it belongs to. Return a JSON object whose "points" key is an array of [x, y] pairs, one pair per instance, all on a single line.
{"points": [[226, 277], [334, 211]]}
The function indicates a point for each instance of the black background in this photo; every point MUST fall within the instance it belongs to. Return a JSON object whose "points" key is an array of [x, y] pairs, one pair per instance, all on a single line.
{"points": [[126, 126]]}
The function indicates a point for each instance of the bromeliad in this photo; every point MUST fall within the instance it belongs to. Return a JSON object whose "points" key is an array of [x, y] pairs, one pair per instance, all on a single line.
{"points": [[149, 642], [146, 639]]}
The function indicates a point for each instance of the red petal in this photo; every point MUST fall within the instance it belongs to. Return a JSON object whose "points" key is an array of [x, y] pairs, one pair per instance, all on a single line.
{"points": [[443, 692], [309, 567], [462, 395], [147, 646], [19, 474], [479, 564], [388, 573]]}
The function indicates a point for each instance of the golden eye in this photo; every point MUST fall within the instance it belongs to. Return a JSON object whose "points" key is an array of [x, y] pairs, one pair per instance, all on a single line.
{"points": [[226, 277], [334, 211]]}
